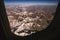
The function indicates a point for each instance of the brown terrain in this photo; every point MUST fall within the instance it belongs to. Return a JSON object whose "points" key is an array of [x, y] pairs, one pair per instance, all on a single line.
{"points": [[29, 19]]}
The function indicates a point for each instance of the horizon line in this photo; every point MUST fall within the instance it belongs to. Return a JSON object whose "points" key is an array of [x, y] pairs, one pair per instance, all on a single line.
{"points": [[30, 3]]}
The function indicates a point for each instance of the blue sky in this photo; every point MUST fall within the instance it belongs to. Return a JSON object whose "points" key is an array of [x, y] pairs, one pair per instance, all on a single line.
{"points": [[31, 0], [25, 2]]}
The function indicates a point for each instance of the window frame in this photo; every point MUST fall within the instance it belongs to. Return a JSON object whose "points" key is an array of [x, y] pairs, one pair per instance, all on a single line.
{"points": [[44, 33]]}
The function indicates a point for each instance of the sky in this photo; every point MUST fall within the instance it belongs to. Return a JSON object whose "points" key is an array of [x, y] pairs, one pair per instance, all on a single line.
{"points": [[30, 0]]}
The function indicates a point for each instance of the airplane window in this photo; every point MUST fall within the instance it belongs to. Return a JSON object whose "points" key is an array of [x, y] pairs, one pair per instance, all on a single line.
{"points": [[27, 17]]}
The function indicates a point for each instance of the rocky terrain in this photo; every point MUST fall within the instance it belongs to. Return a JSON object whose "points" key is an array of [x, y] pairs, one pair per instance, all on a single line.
{"points": [[29, 19]]}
